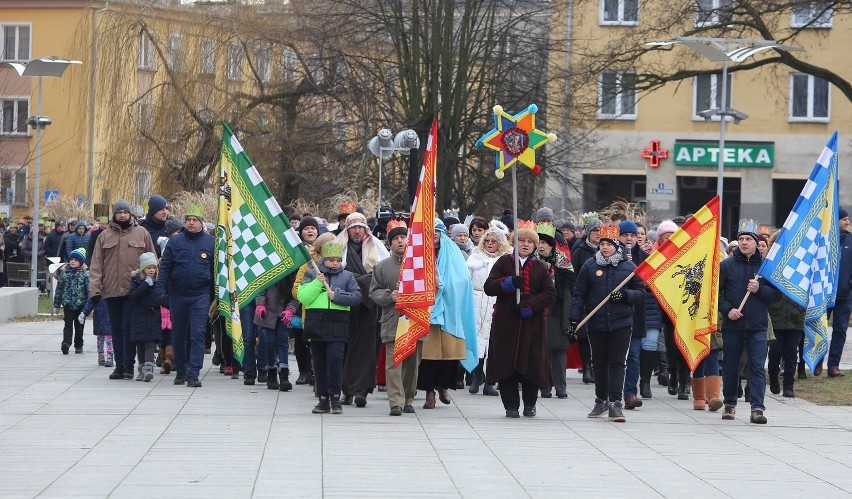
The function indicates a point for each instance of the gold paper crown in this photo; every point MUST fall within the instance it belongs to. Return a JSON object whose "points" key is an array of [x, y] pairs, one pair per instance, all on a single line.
{"points": [[396, 224], [609, 232], [547, 229], [748, 225], [589, 216], [194, 210], [332, 250], [527, 224], [347, 208]]}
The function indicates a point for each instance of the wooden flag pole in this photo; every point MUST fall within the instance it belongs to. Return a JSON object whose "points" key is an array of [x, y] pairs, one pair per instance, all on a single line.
{"points": [[603, 302], [745, 298], [318, 273], [515, 232]]}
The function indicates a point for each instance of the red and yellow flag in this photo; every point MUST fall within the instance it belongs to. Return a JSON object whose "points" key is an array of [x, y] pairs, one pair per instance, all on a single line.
{"points": [[683, 274], [418, 281]]}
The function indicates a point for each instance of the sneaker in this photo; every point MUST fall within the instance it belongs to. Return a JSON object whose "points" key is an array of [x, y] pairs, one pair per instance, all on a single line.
{"points": [[248, 380], [730, 412], [65, 348], [757, 417], [408, 409], [599, 408], [193, 382], [616, 415], [101, 362], [180, 379], [108, 363], [323, 407], [336, 406], [562, 395]]}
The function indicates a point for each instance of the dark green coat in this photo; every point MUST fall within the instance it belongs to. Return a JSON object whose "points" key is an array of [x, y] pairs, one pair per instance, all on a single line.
{"points": [[785, 314]]}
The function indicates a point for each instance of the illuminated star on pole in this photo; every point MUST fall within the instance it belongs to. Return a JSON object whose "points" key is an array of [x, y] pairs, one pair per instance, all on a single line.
{"points": [[515, 138]]}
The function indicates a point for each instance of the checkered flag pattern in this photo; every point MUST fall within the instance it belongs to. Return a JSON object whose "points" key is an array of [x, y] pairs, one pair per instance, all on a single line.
{"points": [[803, 262]]}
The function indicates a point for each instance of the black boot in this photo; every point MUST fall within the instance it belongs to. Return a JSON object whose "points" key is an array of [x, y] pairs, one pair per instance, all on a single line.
{"points": [[490, 390], [681, 389], [272, 379], [663, 375], [673, 381], [261, 375], [460, 377], [683, 382], [646, 368], [477, 377], [118, 373], [284, 384], [302, 379]]}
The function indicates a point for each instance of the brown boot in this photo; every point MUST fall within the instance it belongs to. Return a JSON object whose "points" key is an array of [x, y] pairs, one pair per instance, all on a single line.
{"points": [[430, 400], [161, 356], [699, 388], [714, 387], [169, 360]]}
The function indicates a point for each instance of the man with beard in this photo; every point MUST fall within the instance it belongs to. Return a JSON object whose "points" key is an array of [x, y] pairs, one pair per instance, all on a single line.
{"points": [[361, 253], [155, 221]]}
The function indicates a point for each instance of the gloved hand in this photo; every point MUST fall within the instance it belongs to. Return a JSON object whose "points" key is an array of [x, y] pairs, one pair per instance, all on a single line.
{"points": [[287, 316], [95, 299], [260, 312], [81, 318], [163, 300], [296, 323], [510, 283], [617, 296], [149, 281], [571, 332], [526, 312]]}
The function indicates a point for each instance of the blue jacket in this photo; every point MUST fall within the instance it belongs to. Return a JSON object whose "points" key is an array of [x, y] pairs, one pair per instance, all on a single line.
{"points": [[155, 229], [186, 268], [75, 241], [734, 274], [72, 290], [145, 320], [844, 277], [594, 283]]}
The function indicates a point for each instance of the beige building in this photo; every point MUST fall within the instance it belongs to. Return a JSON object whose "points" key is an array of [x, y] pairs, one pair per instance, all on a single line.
{"points": [[768, 156]]}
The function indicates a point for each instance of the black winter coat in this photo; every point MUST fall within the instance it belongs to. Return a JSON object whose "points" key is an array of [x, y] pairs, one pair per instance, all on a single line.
{"points": [[580, 253], [734, 274], [844, 275], [594, 283], [145, 320]]}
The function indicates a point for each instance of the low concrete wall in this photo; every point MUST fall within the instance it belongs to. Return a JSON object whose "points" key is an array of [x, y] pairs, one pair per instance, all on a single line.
{"points": [[18, 302]]}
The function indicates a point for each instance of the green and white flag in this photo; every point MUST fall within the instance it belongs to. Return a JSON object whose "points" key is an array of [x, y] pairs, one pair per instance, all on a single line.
{"points": [[255, 244]]}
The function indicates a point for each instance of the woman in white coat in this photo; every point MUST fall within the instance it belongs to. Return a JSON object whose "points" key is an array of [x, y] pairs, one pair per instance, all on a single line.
{"points": [[492, 245]]}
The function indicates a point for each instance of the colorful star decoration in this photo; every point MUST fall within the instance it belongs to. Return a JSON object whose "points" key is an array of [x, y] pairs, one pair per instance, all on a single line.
{"points": [[515, 138]]}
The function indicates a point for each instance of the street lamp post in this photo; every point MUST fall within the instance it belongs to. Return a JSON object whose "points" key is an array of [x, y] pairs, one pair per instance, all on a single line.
{"points": [[383, 147], [51, 67], [724, 50]]}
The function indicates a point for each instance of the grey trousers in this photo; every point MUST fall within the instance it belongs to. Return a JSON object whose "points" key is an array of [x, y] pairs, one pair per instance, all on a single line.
{"points": [[401, 380], [557, 370]]}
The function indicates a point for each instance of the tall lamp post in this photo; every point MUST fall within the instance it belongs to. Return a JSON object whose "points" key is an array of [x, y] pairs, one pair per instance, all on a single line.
{"points": [[724, 50], [51, 67], [383, 147]]}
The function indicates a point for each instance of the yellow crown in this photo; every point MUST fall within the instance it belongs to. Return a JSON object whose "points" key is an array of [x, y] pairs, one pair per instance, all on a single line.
{"points": [[347, 208], [547, 229], [396, 224], [527, 224], [609, 232]]}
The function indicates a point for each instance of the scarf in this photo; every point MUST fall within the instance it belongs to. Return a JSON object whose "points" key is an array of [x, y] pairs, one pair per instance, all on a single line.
{"points": [[613, 260], [372, 250]]}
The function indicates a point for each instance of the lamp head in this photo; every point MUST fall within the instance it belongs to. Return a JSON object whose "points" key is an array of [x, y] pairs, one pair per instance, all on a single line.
{"points": [[38, 121], [405, 141], [381, 145]]}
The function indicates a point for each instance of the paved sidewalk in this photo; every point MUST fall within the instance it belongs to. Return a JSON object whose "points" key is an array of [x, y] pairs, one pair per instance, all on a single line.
{"points": [[66, 430]]}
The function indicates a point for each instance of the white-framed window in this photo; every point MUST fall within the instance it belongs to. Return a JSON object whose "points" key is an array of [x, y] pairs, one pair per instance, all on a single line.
{"points": [[707, 94], [141, 186], [810, 98], [13, 185], [16, 110], [146, 51], [145, 114], [207, 56], [619, 12], [290, 64], [713, 12], [16, 42], [812, 15], [261, 63], [235, 62], [617, 95], [177, 53]]}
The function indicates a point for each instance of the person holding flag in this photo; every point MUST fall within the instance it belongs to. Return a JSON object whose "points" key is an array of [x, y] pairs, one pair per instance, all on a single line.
{"points": [[745, 324]]}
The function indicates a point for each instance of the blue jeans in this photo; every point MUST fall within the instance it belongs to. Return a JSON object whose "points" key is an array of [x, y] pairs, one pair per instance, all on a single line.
{"points": [[839, 323], [649, 342], [754, 343], [631, 376], [709, 366], [276, 344], [189, 320], [249, 340]]}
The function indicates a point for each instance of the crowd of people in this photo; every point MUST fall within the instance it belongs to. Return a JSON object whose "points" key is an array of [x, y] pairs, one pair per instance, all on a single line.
{"points": [[511, 294]]}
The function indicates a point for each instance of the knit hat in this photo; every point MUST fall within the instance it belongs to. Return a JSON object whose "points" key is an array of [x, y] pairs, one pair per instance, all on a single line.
{"points": [[567, 225], [594, 224], [307, 222], [146, 260], [396, 228], [547, 232], [156, 203], [120, 205], [78, 254], [500, 227], [508, 221], [194, 210], [666, 227], [171, 226], [450, 221], [544, 214], [842, 213], [628, 227], [356, 220], [332, 250], [60, 223], [457, 229], [527, 230]]}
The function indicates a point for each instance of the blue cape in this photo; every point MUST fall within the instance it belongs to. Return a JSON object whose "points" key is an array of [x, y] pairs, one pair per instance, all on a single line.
{"points": [[454, 309]]}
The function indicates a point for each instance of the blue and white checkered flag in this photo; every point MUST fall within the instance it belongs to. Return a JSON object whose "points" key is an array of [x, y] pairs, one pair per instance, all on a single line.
{"points": [[804, 259]]}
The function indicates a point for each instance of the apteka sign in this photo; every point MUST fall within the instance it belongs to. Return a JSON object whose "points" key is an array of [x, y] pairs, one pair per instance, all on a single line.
{"points": [[743, 154]]}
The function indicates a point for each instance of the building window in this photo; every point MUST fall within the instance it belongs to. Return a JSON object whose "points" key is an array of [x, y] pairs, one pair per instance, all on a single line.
{"points": [[812, 15], [809, 98], [261, 63], [141, 186], [176, 55], [707, 94], [617, 95], [713, 12], [207, 56], [620, 12], [145, 114], [146, 51], [15, 114], [13, 186], [290, 62], [235, 61], [16, 42], [316, 69]]}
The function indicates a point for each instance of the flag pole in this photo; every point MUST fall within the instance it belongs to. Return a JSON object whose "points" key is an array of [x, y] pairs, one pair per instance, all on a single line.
{"points": [[745, 298], [515, 232], [603, 302], [318, 273]]}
